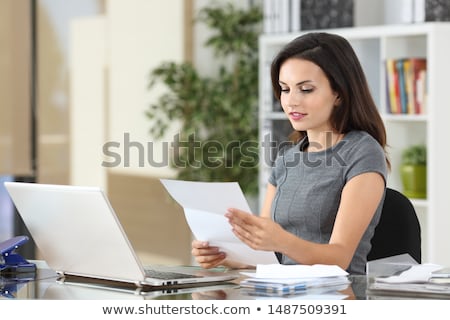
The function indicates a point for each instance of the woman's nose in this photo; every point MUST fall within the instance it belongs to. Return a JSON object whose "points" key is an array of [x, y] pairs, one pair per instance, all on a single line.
{"points": [[292, 99]]}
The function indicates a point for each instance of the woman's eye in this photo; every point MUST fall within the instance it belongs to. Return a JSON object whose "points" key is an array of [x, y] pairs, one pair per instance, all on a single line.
{"points": [[306, 89], [300, 89]]}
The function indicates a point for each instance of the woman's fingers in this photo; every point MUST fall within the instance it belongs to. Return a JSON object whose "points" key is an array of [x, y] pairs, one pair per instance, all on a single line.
{"points": [[207, 256]]}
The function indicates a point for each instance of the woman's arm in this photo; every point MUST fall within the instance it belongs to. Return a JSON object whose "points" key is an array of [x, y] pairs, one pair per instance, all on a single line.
{"points": [[359, 201], [267, 204]]}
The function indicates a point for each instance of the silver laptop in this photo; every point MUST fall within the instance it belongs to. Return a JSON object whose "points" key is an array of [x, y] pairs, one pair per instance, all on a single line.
{"points": [[79, 235]]}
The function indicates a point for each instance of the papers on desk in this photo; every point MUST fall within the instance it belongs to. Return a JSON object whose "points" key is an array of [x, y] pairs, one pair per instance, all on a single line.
{"points": [[281, 272], [419, 273], [283, 280], [204, 205], [419, 280]]}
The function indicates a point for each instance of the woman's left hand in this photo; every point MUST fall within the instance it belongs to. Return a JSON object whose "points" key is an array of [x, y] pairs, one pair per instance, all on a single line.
{"points": [[257, 232]]}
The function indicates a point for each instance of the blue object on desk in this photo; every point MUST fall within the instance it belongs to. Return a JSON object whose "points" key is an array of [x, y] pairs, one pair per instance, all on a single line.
{"points": [[11, 262], [10, 286]]}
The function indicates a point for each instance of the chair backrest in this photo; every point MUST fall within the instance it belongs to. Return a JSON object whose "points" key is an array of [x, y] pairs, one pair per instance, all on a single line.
{"points": [[398, 231]]}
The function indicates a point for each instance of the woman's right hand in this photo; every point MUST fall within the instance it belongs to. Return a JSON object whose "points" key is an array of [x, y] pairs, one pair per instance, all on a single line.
{"points": [[207, 256]]}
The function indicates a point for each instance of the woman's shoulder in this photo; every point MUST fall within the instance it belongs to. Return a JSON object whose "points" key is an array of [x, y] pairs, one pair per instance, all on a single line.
{"points": [[361, 144], [360, 139], [357, 135], [363, 153]]}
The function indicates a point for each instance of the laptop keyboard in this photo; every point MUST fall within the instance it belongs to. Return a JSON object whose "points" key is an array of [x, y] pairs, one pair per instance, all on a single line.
{"points": [[167, 275]]}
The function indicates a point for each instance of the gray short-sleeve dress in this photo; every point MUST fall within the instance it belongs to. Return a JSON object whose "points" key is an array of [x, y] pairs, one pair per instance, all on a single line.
{"points": [[309, 186]]}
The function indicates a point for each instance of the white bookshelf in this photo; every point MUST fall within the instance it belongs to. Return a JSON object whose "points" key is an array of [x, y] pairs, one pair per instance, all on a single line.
{"points": [[373, 45]]}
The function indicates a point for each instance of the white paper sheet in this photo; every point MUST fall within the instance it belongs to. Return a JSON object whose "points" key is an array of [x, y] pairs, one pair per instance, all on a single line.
{"points": [[416, 274], [282, 272], [204, 205]]}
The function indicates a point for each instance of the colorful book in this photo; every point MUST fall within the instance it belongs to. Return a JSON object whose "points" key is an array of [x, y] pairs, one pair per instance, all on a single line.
{"points": [[419, 68], [406, 85], [402, 85], [392, 84], [409, 84]]}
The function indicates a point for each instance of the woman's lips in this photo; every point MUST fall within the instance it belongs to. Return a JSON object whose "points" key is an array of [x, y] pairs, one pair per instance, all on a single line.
{"points": [[297, 115]]}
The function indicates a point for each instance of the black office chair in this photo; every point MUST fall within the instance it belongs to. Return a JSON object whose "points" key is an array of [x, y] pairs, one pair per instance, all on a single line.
{"points": [[398, 231]]}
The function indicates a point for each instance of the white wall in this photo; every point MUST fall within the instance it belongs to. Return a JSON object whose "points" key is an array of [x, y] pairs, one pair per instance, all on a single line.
{"points": [[111, 58], [140, 37], [87, 100]]}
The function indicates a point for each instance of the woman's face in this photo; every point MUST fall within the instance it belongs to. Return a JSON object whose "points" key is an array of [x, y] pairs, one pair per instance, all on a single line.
{"points": [[306, 95]]}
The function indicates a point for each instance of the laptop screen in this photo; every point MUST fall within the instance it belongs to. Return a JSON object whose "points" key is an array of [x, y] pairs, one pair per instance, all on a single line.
{"points": [[76, 230]]}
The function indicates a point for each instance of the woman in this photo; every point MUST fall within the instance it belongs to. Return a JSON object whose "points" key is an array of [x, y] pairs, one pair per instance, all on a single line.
{"points": [[325, 194]]}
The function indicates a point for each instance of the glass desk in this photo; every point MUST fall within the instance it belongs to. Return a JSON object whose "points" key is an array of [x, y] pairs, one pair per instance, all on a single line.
{"points": [[47, 285]]}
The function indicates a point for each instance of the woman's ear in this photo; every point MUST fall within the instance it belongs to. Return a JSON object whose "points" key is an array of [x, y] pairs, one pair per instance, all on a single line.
{"points": [[337, 101]]}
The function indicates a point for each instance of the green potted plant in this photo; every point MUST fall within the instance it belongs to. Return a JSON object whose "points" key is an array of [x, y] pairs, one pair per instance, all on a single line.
{"points": [[414, 171], [218, 137]]}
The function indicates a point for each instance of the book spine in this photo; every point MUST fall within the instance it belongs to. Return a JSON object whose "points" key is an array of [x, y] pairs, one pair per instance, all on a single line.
{"points": [[295, 15], [419, 11], [392, 84], [268, 17], [409, 84], [419, 67], [401, 85], [285, 16], [399, 11]]}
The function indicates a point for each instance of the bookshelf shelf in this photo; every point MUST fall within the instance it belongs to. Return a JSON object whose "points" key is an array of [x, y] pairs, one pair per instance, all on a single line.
{"points": [[405, 117], [373, 45]]}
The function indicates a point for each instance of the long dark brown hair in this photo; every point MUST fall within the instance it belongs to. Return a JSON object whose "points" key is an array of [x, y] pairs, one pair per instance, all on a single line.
{"points": [[337, 59]]}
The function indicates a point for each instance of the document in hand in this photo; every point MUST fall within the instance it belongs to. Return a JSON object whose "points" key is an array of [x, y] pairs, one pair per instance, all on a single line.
{"points": [[204, 205]]}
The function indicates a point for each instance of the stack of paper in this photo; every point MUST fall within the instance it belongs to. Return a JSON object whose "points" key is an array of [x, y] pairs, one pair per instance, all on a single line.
{"points": [[283, 280], [418, 281], [441, 276]]}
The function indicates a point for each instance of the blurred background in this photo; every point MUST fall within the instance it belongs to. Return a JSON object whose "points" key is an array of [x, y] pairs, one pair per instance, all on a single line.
{"points": [[73, 77]]}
